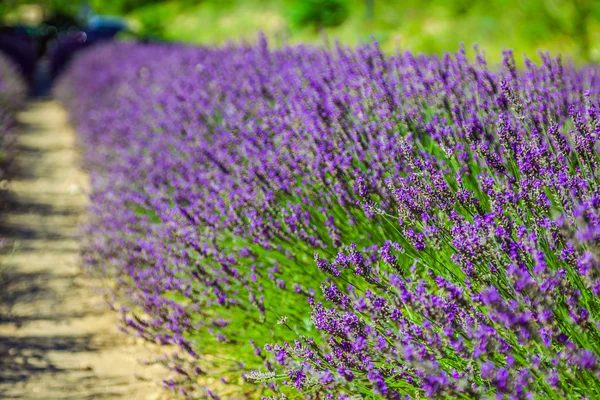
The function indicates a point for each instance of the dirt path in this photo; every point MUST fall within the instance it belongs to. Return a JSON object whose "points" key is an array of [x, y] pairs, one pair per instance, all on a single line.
{"points": [[57, 339]]}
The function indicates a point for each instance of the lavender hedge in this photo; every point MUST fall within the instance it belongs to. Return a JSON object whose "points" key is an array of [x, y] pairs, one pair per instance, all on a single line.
{"points": [[344, 224]]}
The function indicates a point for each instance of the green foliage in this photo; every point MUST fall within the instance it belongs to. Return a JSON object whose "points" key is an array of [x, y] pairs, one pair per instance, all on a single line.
{"points": [[319, 13], [152, 21], [121, 6], [569, 27]]}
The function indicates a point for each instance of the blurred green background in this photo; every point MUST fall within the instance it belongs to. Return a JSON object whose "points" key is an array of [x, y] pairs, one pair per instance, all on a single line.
{"points": [[567, 27]]}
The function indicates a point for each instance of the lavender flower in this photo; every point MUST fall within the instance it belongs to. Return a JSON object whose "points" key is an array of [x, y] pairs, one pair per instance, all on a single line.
{"points": [[393, 226]]}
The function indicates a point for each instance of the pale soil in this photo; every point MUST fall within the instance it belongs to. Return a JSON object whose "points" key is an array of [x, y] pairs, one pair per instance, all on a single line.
{"points": [[58, 340]]}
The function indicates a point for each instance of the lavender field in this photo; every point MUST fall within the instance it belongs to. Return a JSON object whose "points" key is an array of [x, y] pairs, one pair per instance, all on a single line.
{"points": [[343, 223]]}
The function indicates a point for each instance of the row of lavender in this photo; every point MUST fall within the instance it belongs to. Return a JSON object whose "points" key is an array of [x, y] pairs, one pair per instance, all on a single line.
{"points": [[338, 223], [13, 92]]}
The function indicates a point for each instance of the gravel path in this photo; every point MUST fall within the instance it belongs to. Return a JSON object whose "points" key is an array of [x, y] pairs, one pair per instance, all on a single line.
{"points": [[57, 338]]}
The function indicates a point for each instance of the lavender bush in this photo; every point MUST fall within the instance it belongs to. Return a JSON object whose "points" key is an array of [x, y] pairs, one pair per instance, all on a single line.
{"points": [[344, 224]]}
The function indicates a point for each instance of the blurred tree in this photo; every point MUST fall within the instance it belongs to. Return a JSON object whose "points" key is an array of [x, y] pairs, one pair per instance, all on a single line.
{"points": [[370, 10], [319, 13], [570, 27], [152, 27], [569, 18], [461, 7], [120, 6], [49, 8], [583, 12]]}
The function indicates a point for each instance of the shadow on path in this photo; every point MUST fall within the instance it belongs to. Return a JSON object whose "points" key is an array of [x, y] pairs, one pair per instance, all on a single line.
{"points": [[58, 340], [23, 357]]}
